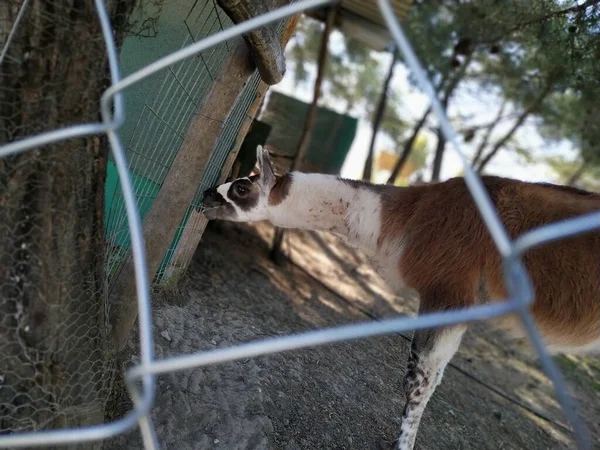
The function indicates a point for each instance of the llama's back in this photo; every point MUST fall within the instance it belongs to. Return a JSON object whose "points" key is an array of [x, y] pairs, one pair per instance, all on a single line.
{"points": [[448, 250], [565, 273]]}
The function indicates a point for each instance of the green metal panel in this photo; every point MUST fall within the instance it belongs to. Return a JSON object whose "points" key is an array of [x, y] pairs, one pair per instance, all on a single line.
{"points": [[257, 135], [330, 138]]}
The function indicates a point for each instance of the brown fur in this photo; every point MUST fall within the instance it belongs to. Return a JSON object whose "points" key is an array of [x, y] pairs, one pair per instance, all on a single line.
{"points": [[448, 253], [281, 189]]}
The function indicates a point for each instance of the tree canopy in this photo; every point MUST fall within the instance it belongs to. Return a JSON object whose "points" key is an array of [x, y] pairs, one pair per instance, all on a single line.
{"points": [[540, 59]]}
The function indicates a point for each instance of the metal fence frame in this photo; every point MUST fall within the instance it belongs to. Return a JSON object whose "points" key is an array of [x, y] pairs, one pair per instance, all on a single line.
{"points": [[141, 378]]}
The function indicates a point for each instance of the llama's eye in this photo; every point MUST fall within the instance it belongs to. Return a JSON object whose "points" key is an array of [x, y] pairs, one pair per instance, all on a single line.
{"points": [[240, 190]]}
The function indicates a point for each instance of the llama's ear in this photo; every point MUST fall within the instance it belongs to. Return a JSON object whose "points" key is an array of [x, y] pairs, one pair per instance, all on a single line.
{"points": [[267, 175]]}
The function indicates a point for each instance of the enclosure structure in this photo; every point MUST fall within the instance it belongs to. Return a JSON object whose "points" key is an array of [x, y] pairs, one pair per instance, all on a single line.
{"points": [[149, 367], [160, 111], [330, 136]]}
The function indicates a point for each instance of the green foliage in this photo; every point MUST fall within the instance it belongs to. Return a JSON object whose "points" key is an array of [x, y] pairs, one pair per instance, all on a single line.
{"points": [[541, 56], [565, 169], [419, 153], [354, 75]]}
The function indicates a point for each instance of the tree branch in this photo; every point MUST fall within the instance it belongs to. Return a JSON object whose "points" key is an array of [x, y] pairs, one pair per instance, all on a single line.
{"points": [[488, 134], [543, 18], [368, 169], [441, 145], [409, 143], [485, 161], [407, 148]]}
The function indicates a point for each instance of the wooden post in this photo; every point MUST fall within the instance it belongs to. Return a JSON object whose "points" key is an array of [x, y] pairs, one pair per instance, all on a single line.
{"points": [[264, 45], [196, 223]]}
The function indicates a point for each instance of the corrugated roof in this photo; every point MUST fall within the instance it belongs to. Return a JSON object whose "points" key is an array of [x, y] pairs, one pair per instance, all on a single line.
{"points": [[361, 20], [369, 9]]}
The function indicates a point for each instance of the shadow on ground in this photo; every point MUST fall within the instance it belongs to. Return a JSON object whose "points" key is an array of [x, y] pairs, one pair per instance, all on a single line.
{"points": [[344, 396]]}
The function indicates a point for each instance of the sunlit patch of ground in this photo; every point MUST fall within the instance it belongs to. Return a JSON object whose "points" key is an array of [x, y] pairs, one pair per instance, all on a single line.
{"points": [[344, 396]]}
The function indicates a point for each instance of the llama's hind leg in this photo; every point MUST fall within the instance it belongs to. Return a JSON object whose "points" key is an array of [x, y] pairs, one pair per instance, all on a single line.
{"points": [[431, 351]]}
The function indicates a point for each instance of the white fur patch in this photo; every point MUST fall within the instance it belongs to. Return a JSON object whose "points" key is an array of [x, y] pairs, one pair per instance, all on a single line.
{"points": [[325, 203], [256, 214], [223, 190], [364, 219]]}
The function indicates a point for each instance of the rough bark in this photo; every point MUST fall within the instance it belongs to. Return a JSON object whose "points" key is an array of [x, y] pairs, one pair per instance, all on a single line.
{"points": [[368, 169], [264, 45], [54, 339]]}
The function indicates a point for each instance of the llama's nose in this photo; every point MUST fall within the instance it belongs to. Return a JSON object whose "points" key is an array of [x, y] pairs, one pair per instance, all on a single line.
{"points": [[212, 198]]}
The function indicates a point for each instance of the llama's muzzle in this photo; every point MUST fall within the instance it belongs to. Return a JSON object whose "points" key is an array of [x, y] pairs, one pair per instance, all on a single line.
{"points": [[211, 198]]}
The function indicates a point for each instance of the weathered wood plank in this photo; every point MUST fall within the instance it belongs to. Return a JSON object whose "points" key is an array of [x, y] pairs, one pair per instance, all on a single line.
{"points": [[265, 48], [180, 184]]}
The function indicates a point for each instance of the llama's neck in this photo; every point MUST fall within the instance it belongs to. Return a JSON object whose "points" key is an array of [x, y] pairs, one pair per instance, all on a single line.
{"points": [[326, 203]]}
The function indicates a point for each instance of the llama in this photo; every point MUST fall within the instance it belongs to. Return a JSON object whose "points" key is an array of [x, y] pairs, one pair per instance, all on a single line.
{"points": [[431, 238]]}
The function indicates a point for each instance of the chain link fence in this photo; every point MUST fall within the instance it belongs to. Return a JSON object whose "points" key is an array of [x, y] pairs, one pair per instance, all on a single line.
{"points": [[85, 139]]}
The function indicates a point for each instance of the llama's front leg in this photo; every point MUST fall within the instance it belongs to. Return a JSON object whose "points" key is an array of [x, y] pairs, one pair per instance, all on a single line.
{"points": [[430, 352]]}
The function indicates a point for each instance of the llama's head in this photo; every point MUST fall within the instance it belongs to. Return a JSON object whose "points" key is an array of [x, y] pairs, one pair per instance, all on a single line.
{"points": [[248, 199]]}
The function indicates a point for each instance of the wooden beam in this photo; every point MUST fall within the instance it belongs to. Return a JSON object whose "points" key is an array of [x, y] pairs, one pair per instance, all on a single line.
{"points": [[181, 182], [265, 48], [196, 223]]}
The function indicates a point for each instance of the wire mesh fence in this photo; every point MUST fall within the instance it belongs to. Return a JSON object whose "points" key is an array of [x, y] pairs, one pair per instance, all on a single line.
{"points": [[160, 109], [37, 143]]}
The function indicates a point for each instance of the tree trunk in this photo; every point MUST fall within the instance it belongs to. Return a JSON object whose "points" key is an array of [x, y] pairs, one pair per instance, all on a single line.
{"points": [[56, 357], [312, 109], [439, 155], [520, 120], [408, 147], [409, 144], [575, 176], [310, 118], [441, 145], [486, 138], [368, 169]]}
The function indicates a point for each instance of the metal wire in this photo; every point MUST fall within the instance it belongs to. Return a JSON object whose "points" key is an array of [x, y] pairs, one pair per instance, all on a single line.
{"points": [[13, 30], [518, 284]]}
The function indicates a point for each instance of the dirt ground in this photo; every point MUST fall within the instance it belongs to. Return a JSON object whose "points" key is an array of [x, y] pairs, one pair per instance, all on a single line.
{"points": [[344, 396]]}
